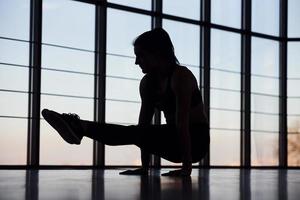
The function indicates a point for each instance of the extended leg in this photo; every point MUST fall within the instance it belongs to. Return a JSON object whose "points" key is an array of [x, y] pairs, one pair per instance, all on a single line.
{"points": [[160, 140], [112, 134]]}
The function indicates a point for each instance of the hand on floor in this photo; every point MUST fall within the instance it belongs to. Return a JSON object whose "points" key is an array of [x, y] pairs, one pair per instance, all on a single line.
{"points": [[139, 171], [179, 172]]}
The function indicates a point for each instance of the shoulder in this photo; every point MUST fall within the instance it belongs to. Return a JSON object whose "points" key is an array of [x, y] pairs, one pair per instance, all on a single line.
{"points": [[146, 81], [146, 85], [183, 78]]}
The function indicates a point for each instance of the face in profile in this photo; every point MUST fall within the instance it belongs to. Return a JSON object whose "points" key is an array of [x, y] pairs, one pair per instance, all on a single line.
{"points": [[148, 62]]}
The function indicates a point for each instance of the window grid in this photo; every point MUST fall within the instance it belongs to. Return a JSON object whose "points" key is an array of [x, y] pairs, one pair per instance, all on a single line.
{"points": [[206, 26]]}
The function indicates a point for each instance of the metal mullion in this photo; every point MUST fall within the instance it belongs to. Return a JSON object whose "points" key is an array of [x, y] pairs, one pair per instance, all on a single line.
{"points": [[157, 18], [13, 39], [293, 39], [205, 64], [100, 83], [156, 22], [246, 85], [283, 85], [33, 140], [129, 9]]}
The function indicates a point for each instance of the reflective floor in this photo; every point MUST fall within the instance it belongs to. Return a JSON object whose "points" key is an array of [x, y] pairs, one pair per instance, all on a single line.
{"points": [[108, 184]]}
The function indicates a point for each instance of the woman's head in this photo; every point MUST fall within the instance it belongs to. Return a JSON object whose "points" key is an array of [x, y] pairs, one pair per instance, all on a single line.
{"points": [[154, 47]]}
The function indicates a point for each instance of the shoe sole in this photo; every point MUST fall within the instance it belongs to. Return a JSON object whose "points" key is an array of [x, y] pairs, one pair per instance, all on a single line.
{"points": [[61, 126]]}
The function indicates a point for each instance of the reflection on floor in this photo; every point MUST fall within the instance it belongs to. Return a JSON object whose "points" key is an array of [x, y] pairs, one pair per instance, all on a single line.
{"points": [[108, 184]]}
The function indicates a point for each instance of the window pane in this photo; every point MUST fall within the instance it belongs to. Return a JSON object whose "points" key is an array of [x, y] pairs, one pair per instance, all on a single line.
{"points": [[265, 86], [14, 78], [225, 83], [266, 104], [69, 23], [14, 19], [143, 4], [222, 119], [187, 8], [14, 52], [218, 97], [185, 39], [265, 65], [293, 123], [118, 22], [122, 67], [13, 104], [265, 57], [263, 122], [265, 16], [293, 18], [13, 143], [264, 100], [53, 149], [127, 90], [293, 60], [293, 106], [225, 50], [227, 13], [120, 112], [225, 80], [293, 103], [294, 140], [225, 147], [65, 83], [293, 88], [67, 59], [264, 149]]}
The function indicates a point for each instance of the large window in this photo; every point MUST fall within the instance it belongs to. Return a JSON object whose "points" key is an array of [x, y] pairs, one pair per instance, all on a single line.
{"points": [[67, 83], [69, 38], [14, 62]]}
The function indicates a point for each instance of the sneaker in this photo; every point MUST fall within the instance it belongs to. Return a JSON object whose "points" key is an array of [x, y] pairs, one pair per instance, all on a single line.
{"points": [[67, 125]]}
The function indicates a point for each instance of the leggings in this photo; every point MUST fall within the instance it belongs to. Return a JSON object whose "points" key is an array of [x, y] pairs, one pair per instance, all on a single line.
{"points": [[161, 140]]}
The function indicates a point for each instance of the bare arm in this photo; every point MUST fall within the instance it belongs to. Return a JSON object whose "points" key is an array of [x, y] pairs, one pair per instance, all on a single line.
{"points": [[146, 114], [183, 84], [147, 106], [145, 117]]}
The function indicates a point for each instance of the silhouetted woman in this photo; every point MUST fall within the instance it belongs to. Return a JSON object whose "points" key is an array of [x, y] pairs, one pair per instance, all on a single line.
{"points": [[166, 86]]}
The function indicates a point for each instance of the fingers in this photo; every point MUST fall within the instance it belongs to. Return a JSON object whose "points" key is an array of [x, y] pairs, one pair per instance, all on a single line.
{"points": [[134, 172], [179, 172], [143, 172]]}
